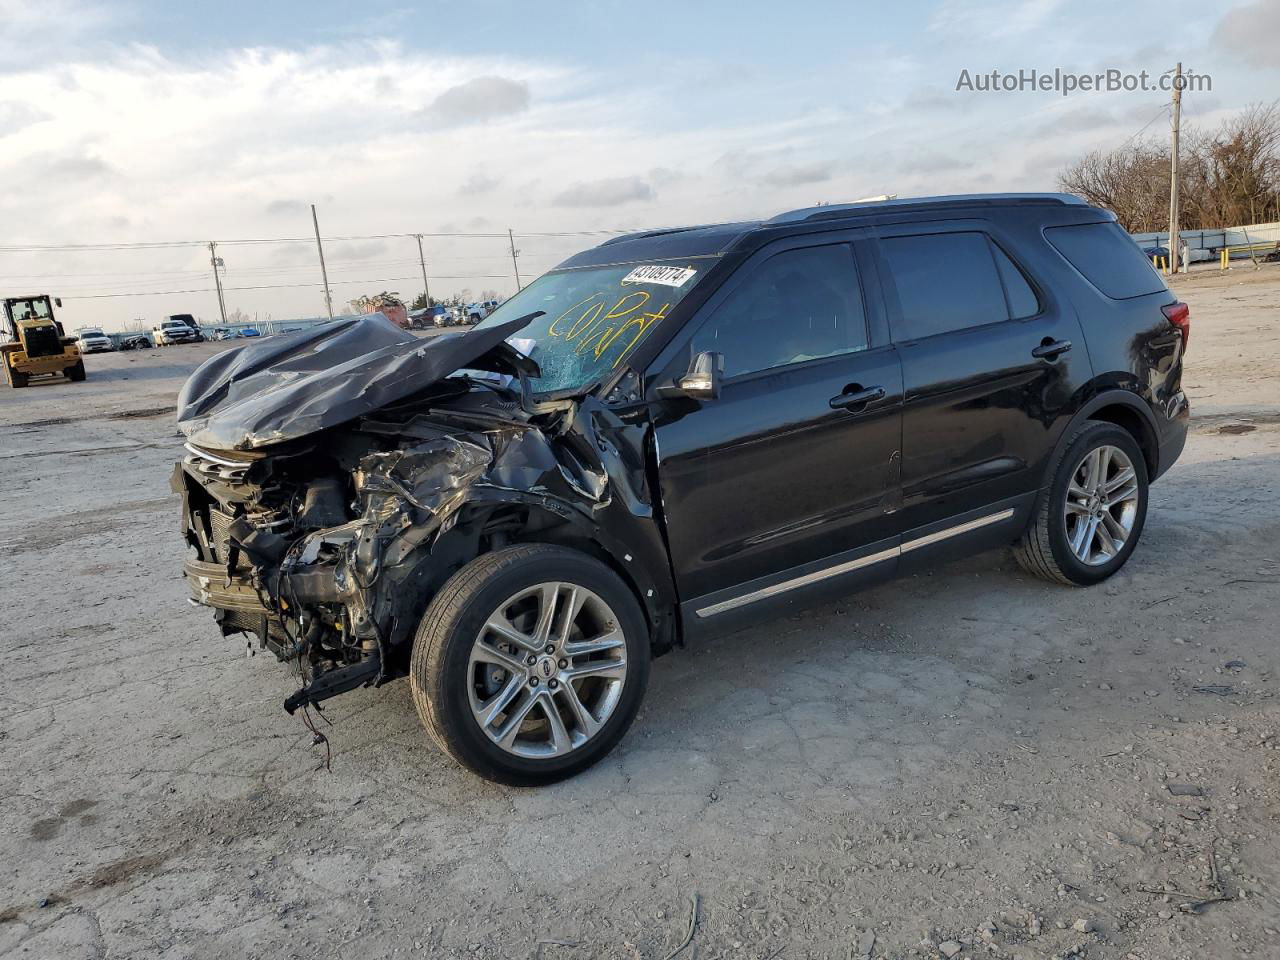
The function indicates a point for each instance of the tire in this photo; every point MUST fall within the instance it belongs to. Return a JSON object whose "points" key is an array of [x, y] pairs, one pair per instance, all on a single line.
{"points": [[16, 379], [450, 686], [1046, 548], [76, 373]]}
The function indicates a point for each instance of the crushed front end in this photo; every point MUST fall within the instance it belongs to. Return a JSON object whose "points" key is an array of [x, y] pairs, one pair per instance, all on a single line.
{"points": [[333, 481], [273, 551]]}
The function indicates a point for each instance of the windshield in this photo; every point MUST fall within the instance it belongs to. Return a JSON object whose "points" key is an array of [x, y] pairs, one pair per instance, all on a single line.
{"points": [[90, 333], [35, 309], [593, 318]]}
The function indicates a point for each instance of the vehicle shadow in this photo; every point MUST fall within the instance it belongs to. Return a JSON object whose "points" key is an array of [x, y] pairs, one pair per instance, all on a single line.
{"points": [[867, 694]]}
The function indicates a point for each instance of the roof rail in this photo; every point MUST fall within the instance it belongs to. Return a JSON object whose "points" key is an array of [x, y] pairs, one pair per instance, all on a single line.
{"points": [[660, 232], [835, 210]]}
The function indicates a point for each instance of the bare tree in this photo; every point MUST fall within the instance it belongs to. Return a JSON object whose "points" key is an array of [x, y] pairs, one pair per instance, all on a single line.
{"points": [[1235, 173], [1132, 182], [1230, 176]]}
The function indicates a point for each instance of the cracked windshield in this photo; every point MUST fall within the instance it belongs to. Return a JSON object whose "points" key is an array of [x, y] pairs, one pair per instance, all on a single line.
{"points": [[593, 318]]}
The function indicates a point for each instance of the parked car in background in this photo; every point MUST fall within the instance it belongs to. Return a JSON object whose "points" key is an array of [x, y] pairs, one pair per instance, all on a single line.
{"points": [[93, 340], [136, 341], [439, 316], [190, 321], [248, 332], [475, 312], [901, 382], [172, 331]]}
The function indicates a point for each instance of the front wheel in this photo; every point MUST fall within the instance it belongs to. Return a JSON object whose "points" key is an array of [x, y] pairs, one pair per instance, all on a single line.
{"points": [[76, 373], [530, 664], [1090, 517]]}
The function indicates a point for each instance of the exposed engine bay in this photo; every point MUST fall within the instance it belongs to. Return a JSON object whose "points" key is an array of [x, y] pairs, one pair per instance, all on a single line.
{"points": [[324, 507]]}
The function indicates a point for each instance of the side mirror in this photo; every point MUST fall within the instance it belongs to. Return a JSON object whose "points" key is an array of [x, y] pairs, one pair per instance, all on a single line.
{"points": [[702, 381]]}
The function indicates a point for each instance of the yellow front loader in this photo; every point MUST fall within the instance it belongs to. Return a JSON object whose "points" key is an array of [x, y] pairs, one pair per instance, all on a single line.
{"points": [[37, 346]]}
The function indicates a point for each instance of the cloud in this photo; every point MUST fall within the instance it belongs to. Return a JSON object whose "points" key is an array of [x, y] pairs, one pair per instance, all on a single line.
{"points": [[796, 176], [478, 183], [286, 208], [73, 167], [933, 163], [43, 30], [15, 116], [357, 249], [478, 100], [609, 192], [1252, 33], [934, 98], [999, 21]]}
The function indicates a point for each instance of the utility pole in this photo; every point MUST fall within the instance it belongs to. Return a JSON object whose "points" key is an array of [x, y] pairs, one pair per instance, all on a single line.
{"points": [[217, 280], [324, 274], [514, 266], [426, 290], [1174, 239]]}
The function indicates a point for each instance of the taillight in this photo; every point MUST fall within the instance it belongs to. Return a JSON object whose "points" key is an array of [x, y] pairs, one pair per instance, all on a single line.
{"points": [[1179, 314]]}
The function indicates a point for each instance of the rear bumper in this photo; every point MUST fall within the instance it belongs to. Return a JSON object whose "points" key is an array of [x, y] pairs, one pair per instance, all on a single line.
{"points": [[1173, 432]]}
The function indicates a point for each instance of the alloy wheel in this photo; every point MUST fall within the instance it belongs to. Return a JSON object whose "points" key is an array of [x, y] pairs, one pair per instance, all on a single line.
{"points": [[547, 670], [1101, 505]]}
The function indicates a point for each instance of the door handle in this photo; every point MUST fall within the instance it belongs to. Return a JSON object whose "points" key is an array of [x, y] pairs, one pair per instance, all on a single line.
{"points": [[1051, 349], [855, 397]]}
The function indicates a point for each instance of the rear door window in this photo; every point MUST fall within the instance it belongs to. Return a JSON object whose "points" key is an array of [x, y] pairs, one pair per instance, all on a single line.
{"points": [[945, 282], [798, 305], [1108, 258]]}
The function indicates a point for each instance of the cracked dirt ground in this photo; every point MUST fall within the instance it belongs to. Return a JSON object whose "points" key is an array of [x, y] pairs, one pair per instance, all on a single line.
{"points": [[881, 775]]}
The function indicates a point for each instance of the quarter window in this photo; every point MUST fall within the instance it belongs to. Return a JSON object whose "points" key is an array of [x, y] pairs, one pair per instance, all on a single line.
{"points": [[798, 305], [1108, 258], [1023, 301]]}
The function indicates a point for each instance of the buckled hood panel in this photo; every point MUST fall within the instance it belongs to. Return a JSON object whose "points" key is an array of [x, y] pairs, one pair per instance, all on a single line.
{"points": [[282, 388]]}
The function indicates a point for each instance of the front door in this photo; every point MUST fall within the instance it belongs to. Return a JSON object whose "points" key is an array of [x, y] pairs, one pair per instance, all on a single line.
{"points": [[790, 475]]}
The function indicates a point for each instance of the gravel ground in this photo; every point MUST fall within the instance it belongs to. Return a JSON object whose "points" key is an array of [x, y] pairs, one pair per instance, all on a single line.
{"points": [[968, 763]]}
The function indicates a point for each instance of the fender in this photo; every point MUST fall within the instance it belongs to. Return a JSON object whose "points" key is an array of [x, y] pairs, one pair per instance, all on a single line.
{"points": [[634, 553], [1111, 397]]}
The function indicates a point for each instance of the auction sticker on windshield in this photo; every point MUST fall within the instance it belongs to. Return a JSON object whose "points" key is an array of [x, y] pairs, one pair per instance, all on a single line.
{"points": [[667, 276]]}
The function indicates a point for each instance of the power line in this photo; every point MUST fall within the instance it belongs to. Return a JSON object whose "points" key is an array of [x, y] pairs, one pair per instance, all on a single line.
{"points": [[1164, 109], [158, 244], [280, 269], [278, 286]]}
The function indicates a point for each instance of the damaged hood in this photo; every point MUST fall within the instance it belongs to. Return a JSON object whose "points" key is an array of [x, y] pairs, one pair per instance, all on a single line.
{"points": [[283, 388]]}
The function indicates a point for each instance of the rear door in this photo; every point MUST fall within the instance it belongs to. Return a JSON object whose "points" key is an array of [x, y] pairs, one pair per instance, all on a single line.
{"points": [[788, 479], [991, 359]]}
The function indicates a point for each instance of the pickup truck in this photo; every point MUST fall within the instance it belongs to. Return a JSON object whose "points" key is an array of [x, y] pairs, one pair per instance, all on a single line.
{"points": [[172, 331]]}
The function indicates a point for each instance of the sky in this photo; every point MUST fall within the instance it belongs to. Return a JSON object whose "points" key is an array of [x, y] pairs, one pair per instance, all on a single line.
{"points": [[140, 122]]}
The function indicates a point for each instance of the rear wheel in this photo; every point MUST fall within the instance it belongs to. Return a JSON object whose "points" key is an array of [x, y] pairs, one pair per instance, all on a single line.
{"points": [[76, 373], [16, 379], [530, 664], [1088, 521]]}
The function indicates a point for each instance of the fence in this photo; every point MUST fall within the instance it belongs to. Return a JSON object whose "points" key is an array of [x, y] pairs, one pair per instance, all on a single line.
{"points": [[1229, 243]]}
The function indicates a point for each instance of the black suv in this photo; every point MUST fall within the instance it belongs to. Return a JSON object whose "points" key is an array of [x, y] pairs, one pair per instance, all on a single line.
{"points": [[674, 434]]}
